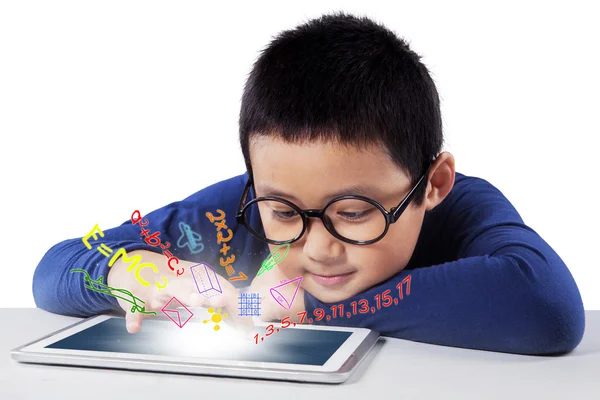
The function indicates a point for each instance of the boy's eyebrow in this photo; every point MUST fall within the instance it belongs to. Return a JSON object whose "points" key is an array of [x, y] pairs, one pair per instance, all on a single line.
{"points": [[362, 190]]}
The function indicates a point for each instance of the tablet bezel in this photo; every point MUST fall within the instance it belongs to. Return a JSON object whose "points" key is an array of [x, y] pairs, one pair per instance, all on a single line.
{"points": [[333, 364]]}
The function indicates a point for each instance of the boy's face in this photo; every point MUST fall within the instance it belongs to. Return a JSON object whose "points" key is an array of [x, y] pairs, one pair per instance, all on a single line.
{"points": [[311, 174]]}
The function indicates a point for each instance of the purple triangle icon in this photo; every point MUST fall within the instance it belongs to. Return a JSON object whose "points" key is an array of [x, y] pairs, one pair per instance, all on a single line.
{"points": [[280, 298]]}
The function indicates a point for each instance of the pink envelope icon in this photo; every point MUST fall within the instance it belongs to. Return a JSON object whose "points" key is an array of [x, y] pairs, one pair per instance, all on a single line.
{"points": [[177, 315]]}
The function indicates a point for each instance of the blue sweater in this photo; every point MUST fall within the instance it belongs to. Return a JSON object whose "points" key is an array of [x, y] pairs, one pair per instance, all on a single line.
{"points": [[480, 278]]}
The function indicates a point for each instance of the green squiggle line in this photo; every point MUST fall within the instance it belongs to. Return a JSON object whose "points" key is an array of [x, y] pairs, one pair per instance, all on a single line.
{"points": [[99, 282]]}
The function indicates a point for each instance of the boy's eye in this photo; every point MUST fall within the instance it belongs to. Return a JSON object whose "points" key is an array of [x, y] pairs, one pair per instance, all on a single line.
{"points": [[355, 215], [284, 215]]}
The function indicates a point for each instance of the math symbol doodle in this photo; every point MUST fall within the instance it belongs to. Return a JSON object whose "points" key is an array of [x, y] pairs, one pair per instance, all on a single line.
{"points": [[190, 239], [285, 293], [133, 261], [173, 310], [249, 304], [155, 241], [206, 280], [98, 285], [274, 258]]}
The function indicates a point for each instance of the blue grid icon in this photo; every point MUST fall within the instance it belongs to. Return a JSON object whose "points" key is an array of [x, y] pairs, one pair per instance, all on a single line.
{"points": [[249, 304]]}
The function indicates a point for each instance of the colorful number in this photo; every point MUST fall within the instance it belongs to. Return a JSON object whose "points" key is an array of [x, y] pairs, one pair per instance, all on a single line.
{"points": [[378, 301], [334, 309], [229, 260], [321, 314], [303, 316], [272, 330], [386, 297], [365, 305], [407, 279], [353, 305], [283, 321], [221, 239], [212, 218], [163, 286], [241, 277]]}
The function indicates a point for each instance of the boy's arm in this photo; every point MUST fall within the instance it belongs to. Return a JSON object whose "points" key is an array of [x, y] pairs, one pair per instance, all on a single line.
{"points": [[508, 290], [60, 291], [57, 290]]}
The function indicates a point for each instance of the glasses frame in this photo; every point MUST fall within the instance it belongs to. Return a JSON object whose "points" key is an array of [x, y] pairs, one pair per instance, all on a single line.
{"points": [[391, 216]]}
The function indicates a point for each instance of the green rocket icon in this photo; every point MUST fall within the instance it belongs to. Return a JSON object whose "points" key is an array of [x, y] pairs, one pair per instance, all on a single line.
{"points": [[274, 258]]}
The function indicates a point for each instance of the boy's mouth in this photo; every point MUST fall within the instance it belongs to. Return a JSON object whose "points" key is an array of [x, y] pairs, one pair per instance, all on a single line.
{"points": [[332, 280]]}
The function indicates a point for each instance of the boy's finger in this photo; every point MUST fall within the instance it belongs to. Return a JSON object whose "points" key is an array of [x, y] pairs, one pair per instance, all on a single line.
{"points": [[196, 300], [133, 322], [159, 301]]}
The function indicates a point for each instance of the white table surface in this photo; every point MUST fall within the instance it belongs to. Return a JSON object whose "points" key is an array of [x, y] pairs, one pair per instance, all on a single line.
{"points": [[396, 369]]}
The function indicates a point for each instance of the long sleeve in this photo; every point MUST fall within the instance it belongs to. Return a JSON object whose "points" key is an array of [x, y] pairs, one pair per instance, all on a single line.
{"points": [[57, 290], [481, 279]]}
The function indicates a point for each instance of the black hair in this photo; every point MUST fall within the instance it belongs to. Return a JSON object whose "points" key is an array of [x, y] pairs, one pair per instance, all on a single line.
{"points": [[346, 79]]}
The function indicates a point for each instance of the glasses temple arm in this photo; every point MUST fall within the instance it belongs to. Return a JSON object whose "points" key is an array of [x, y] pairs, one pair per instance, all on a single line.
{"points": [[398, 210], [243, 198]]}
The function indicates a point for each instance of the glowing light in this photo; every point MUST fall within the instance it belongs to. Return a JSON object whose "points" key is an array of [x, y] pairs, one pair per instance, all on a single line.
{"points": [[216, 317]]}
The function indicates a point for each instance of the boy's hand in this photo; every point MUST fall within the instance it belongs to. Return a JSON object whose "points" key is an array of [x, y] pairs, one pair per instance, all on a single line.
{"points": [[182, 287], [271, 310]]}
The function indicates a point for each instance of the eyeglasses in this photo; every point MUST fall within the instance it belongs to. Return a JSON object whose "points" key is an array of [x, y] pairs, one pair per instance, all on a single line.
{"points": [[351, 218]]}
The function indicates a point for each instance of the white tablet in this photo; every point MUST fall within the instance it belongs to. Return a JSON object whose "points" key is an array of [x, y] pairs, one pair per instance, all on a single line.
{"points": [[301, 353]]}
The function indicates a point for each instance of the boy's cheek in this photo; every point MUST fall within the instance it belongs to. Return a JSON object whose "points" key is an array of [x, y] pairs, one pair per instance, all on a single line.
{"points": [[287, 270]]}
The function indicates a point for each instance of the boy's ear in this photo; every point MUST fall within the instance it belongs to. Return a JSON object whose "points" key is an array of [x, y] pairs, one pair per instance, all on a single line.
{"points": [[441, 180]]}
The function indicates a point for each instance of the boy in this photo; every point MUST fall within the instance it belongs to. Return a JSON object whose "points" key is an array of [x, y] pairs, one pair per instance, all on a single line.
{"points": [[341, 131]]}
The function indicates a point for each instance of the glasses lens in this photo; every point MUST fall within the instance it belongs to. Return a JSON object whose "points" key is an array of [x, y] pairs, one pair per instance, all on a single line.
{"points": [[356, 219], [280, 222]]}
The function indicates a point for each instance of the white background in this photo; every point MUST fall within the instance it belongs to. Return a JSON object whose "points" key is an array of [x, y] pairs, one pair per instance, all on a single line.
{"points": [[111, 106]]}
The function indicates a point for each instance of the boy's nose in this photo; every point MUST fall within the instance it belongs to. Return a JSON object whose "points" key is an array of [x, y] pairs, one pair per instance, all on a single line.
{"points": [[320, 245]]}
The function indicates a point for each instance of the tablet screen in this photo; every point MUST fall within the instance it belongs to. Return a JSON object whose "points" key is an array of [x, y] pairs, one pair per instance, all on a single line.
{"points": [[159, 337]]}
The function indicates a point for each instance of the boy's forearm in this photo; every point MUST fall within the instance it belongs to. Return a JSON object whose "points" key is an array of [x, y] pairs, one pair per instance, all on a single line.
{"points": [[480, 302], [58, 290]]}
